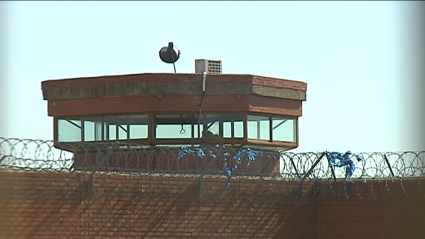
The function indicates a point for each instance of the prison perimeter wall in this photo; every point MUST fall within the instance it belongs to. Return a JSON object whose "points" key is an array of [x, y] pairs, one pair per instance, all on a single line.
{"points": [[106, 205]]}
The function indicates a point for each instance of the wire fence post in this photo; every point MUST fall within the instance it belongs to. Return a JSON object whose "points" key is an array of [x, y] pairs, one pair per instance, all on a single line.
{"points": [[389, 165], [295, 167], [199, 185], [300, 193], [96, 168], [336, 191]]}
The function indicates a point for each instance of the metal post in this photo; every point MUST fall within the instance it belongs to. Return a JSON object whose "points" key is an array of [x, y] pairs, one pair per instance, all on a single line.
{"points": [[300, 194], [97, 166], [337, 190], [389, 165]]}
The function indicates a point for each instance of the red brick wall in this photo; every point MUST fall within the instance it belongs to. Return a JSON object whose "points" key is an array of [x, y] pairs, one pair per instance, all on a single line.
{"points": [[275, 106], [174, 103], [212, 102], [167, 162], [53, 205], [373, 209], [146, 103]]}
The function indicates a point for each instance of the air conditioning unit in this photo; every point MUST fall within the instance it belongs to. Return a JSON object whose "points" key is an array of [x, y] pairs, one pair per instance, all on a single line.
{"points": [[209, 66]]}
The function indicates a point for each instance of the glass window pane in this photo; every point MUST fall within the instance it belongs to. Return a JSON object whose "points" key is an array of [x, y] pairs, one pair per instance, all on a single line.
{"points": [[138, 126], [173, 131], [258, 127], [174, 126], [126, 127], [88, 131], [122, 131], [238, 129], [138, 131], [284, 129], [252, 130], [195, 130], [92, 129], [69, 130], [227, 129], [112, 132], [98, 131], [265, 129], [212, 129], [237, 126], [116, 132]]}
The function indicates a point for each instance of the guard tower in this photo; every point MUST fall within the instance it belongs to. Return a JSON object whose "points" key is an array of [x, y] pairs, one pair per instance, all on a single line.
{"points": [[155, 110]]}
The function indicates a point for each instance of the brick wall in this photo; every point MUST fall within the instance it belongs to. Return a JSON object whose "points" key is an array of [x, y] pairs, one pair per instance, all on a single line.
{"points": [[158, 92], [67, 205], [146, 103], [166, 162], [174, 103], [373, 209]]}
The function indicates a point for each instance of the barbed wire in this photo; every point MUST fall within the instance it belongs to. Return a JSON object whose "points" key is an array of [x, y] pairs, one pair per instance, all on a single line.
{"points": [[301, 176]]}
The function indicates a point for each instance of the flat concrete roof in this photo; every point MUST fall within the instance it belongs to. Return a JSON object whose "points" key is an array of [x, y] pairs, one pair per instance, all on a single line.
{"points": [[170, 83]]}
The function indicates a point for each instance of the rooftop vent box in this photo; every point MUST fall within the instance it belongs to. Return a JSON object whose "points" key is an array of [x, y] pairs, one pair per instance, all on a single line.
{"points": [[209, 66]]}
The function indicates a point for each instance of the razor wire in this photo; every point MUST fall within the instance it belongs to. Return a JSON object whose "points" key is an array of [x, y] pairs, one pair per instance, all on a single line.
{"points": [[299, 175]]}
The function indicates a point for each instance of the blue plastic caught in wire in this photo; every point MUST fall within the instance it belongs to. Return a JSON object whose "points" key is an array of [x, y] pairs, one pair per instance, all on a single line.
{"points": [[212, 155], [251, 154], [338, 159], [226, 155], [201, 153], [237, 158], [183, 151], [228, 173]]}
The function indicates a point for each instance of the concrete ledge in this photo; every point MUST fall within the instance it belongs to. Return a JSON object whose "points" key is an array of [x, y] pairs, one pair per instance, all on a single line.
{"points": [[159, 83], [170, 88]]}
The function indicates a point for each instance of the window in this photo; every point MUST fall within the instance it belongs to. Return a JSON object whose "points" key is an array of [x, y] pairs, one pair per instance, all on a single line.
{"points": [[223, 126], [91, 129], [258, 127], [138, 126], [209, 126], [176, 126], [69, 130], [126, 127], [233, 126], [284, 129]]}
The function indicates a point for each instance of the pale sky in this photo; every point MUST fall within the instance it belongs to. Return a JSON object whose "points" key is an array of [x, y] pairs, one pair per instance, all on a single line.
{"points": [[359, 59]]}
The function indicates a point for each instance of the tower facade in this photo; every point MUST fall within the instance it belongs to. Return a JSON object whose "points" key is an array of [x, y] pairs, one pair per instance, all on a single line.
{"points": [[157, 110]]}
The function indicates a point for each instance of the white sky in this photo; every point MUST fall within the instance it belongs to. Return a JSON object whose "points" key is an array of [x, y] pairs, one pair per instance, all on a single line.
{"points": [[355, 56]]}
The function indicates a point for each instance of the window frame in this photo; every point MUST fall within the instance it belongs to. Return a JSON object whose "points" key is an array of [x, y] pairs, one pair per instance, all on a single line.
{"points": [[151, 140]]}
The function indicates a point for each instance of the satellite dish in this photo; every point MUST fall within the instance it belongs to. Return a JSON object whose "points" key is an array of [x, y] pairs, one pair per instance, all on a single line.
{"points": [[169, 54]]}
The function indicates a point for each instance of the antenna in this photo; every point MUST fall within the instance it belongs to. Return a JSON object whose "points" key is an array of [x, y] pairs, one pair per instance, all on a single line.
{"points": [[169, 54]]}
